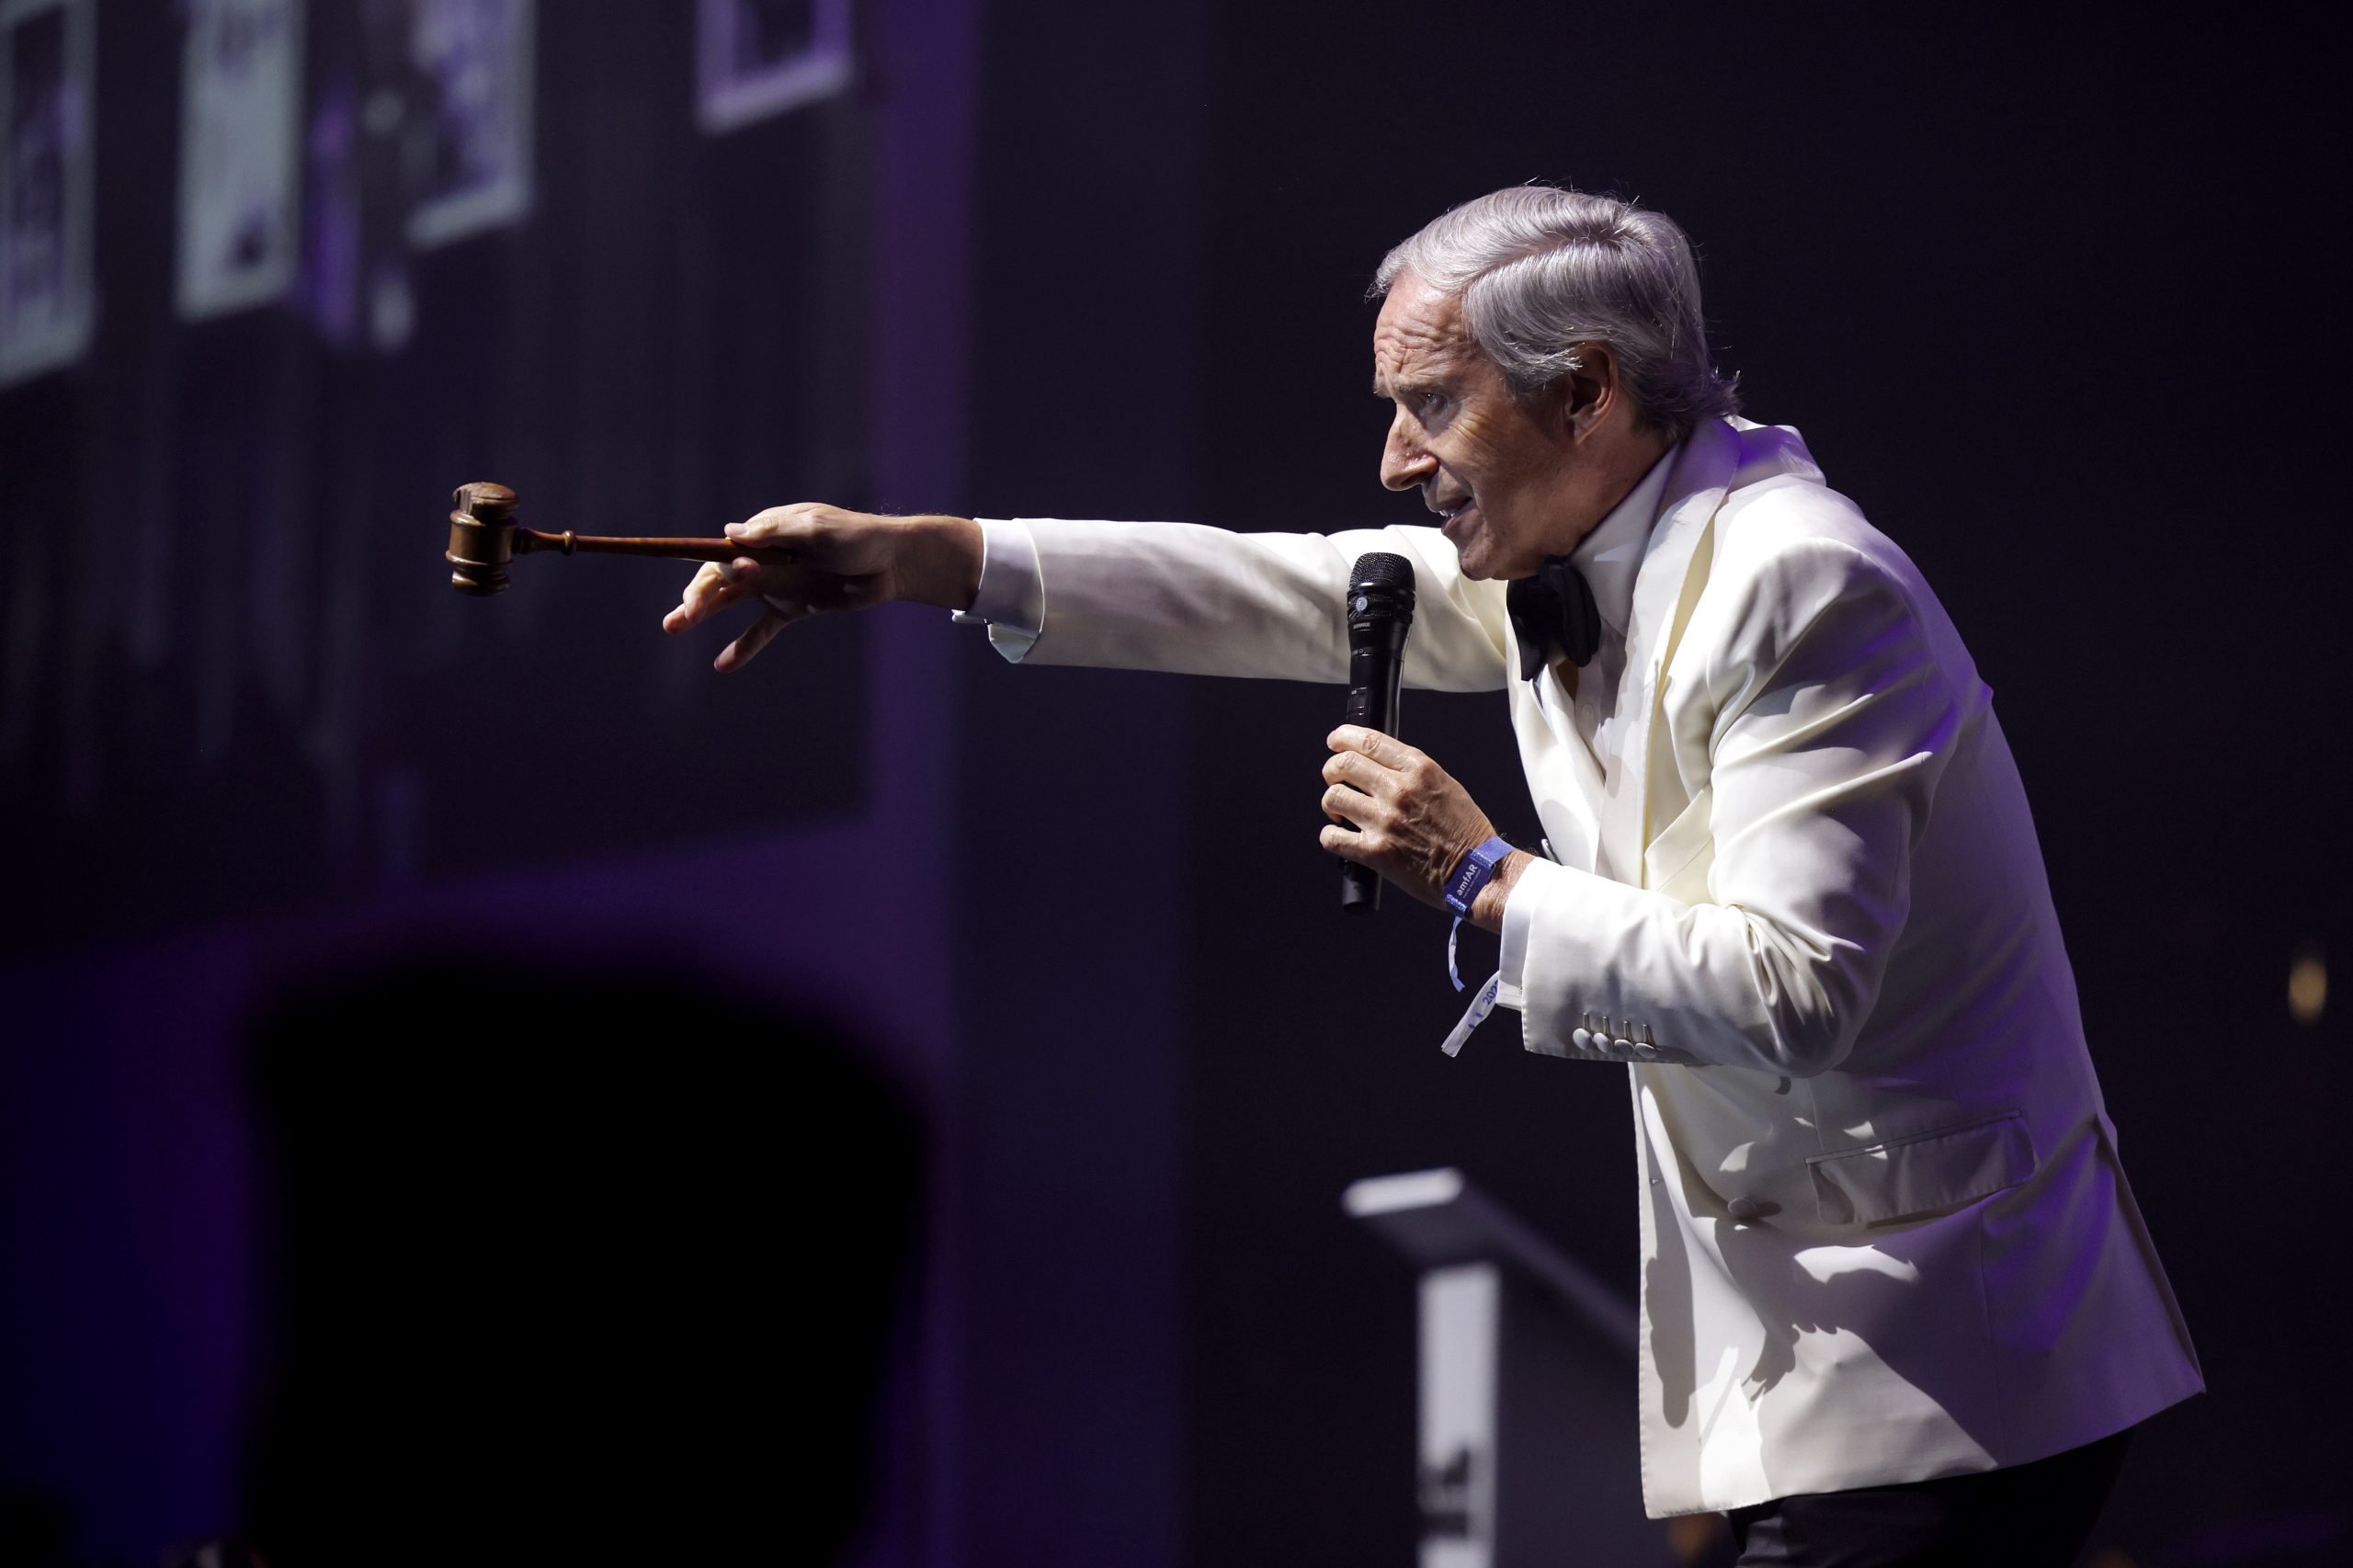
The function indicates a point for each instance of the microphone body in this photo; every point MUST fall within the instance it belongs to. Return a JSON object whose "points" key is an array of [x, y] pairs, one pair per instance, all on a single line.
{"points": [[1380, 611]]}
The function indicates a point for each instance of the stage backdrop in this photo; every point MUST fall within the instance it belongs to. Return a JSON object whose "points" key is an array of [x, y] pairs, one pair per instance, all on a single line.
{"points": [[346, 257], [279, 277]]}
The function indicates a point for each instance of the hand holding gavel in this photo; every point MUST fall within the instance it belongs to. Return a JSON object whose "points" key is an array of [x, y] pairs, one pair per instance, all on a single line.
{"points": [[798, 561], [808, 559]]}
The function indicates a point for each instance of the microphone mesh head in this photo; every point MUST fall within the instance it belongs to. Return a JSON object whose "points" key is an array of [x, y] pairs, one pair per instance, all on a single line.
{"points": [[1382, 570]]}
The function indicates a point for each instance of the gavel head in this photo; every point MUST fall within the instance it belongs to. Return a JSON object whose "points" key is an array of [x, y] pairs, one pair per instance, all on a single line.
{"points": [[482, 537]]}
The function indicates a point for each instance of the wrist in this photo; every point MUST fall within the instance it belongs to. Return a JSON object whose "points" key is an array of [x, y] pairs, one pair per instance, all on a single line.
{"points": [[1474, 867], [943, 561], [1487, 909]]}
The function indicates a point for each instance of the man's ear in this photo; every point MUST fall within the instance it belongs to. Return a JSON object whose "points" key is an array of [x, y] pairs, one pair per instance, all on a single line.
{"points": [[1588, 393]]}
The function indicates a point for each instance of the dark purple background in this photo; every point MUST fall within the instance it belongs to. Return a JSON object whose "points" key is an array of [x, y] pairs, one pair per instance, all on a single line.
{"points": [[2060, 305]]}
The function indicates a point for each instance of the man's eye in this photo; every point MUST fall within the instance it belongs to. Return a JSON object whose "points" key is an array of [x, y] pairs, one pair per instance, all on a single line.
{"points": [[1431, 400]]}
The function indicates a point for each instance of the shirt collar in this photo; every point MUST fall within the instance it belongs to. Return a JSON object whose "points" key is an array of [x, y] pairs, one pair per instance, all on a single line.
{"points": [[1611, 555]]}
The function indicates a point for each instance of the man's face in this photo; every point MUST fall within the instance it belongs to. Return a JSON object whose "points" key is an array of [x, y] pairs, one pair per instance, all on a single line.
{"points": [[1500, 472]]}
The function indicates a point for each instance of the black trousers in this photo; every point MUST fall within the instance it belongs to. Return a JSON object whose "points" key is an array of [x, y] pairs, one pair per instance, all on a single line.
{"points": [[2029, 1516]]}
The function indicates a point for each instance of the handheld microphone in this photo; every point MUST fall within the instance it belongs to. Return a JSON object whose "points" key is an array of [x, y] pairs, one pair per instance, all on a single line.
{"points": [[1380, 611]]}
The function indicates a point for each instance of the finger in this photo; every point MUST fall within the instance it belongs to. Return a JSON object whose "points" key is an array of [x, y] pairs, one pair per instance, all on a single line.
{"points": [[746, 648], [1354, 769], [718, 584], [1343, 804], [1357, 846], [693, 604], [778, 527], [1386, 750], [737, 580]]}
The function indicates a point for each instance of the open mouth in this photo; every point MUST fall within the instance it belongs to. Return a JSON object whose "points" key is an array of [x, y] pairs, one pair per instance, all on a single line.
{"points": [[1449, 515]]}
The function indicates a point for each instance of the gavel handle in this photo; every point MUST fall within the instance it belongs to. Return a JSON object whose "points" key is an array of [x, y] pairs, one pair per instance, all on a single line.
{"points": [[530, 541]]}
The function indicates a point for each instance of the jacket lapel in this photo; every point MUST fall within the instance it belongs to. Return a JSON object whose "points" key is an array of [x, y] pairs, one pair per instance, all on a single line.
{"points": [[1674, 572], [1562, 775], [1721, 457]]}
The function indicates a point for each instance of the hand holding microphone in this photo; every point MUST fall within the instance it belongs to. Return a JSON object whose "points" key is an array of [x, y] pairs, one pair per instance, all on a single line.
{"points": [[1395, 813], [1412, 823]]}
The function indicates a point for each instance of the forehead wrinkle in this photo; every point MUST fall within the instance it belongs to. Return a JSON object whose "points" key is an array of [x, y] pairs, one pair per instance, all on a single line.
{"points": [[1402, 349], [1420, 358]]}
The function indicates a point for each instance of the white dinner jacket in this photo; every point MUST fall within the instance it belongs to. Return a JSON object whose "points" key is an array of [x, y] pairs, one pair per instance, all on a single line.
{"points": [[1885, 1233]]}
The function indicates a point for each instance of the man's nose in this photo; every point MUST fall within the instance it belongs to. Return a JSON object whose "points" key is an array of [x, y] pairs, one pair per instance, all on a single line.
{"points": [[1403, 462]]}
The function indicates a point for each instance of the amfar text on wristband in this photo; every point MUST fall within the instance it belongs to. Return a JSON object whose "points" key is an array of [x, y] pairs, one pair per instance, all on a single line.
{"points": [[1471, 874]]}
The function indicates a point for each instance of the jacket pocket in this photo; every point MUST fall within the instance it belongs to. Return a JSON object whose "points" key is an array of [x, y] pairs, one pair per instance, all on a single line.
{"points": [[1904, 1177]]}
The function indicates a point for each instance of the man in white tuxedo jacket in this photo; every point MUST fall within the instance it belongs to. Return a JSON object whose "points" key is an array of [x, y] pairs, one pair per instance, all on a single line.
{"points": [[1895, 1290]]}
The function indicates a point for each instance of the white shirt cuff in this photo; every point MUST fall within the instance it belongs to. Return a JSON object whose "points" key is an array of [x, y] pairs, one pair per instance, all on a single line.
{"points": [[1519, 914], [1011, 601]]}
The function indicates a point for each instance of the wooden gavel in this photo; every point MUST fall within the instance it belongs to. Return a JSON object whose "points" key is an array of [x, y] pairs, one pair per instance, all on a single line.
{"points": [[484, 537]]}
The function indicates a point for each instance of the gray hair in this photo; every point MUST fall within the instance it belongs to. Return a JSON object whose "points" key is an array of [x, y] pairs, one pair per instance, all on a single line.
{"points": [[1540, 270]]}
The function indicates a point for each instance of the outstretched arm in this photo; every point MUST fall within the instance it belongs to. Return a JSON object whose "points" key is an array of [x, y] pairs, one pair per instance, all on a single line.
{"points": [[1167, 597]]}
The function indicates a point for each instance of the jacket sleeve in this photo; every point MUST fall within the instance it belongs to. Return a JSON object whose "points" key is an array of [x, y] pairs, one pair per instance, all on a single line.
{"points": [[1832, 724], [1197, 600]]}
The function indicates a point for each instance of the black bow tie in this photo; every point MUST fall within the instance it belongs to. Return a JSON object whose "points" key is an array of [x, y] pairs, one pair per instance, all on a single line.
{"points": [[1552, 616]]}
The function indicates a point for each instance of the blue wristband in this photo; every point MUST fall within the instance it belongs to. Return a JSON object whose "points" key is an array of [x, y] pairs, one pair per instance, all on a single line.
{"points": [[1461, 892], [1472, 874]]}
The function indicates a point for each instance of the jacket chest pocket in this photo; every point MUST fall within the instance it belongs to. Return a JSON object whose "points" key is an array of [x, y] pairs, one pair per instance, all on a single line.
{"points": [[1905, 1177]]}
